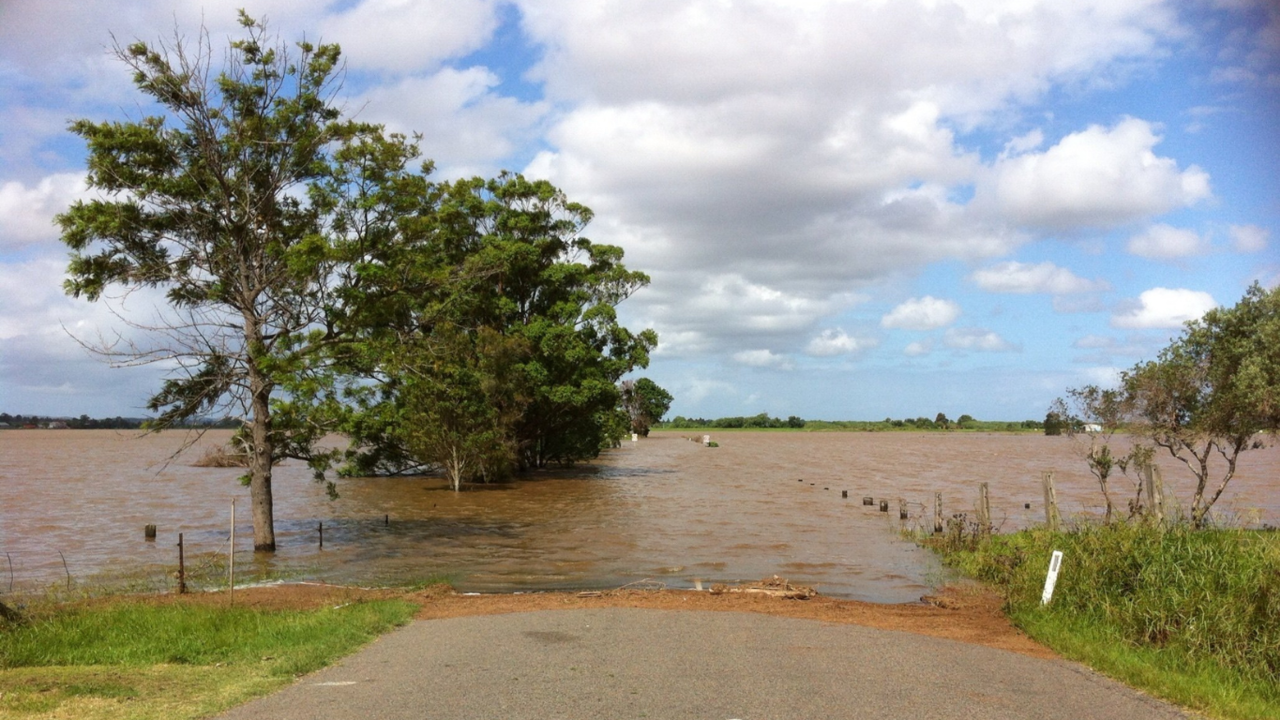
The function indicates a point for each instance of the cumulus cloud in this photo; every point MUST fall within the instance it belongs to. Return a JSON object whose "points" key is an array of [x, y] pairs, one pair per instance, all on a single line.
{"points": [[1249, 238], [27, 212], [976, 339], [837, 342], [806, 148], [1164, 308], [466, 126], [1098, 177], [1164, 242], [763, 359], [926, 313], [919, 348], [409, 35], [1025, 278]]}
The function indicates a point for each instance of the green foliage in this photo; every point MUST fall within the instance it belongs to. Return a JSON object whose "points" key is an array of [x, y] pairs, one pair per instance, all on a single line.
{"points": [[224, 201], [508, 310], [1213, 390], [645, 404], [1054, 423]]}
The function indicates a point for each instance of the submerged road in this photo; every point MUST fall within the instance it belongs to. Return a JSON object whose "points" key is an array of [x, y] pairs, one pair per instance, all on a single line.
{"points": [[667, 665]]}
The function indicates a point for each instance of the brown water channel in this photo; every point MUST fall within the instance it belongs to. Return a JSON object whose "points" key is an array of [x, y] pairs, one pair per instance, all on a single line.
{"points": [[663, 508]]}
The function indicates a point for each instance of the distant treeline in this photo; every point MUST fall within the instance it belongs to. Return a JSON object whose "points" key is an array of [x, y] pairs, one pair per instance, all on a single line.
{"points": [[84, 422], [939, 422]]}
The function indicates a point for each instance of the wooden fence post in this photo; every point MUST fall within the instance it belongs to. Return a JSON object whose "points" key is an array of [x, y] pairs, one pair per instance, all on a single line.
{"points": [[182, 568], [1051, 516], [984, 509], [1155, 493], [937, 513], [902, 509]]}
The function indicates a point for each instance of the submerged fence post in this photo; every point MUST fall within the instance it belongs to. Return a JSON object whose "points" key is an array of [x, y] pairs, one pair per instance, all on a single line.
{"points": [[884, 506], [937, 513], [1051, 516], [984, 509], [182, 568], [902, 509], [149, 532], [321, 528]]}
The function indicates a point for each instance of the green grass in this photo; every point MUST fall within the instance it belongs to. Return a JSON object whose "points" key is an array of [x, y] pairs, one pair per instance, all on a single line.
{"points": [[140, 660], [1192, 616]]}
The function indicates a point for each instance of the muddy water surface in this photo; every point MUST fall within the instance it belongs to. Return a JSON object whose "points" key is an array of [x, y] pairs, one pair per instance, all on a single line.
{"points": [[664, 508]]}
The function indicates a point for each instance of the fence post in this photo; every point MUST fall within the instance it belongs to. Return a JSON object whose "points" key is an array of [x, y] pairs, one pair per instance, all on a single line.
{"points": [[937, 513], [902, 509], [1051, 516], [231, 557], [182, 568], [984, 509], [1155, 493]]}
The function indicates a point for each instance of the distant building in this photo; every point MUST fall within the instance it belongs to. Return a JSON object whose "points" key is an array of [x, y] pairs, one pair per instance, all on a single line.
{"points": [[5, 426], [1092, 428], [57, 425]]}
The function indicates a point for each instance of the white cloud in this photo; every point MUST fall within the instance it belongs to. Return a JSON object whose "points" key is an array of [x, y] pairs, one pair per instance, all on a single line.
{"points": [[763, 359], [1164, 308], [977, 339], [809, 148], [466, 126], [1098, 177], [1164, 242], [26, 213], [1249, 238], [926, 313], [1023, 278], [409, 35], [919, 348], [837, 342]]}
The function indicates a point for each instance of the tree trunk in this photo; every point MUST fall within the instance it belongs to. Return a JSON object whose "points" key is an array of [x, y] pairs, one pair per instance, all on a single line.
{"points": [[264, 530]]}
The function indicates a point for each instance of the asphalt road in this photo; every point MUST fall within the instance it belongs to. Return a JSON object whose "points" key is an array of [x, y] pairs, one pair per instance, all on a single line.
{"points": [[628, 663]]}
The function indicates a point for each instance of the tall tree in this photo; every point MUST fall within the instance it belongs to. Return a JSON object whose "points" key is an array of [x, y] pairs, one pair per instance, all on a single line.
{"points": [[219, 200]]}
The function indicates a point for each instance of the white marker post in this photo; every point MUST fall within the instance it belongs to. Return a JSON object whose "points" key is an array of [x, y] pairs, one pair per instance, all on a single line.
{"points": [[1055, 563]]}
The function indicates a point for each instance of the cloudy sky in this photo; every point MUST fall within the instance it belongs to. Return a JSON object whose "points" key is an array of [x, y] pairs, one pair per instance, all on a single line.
{"points": [[849, 209]]}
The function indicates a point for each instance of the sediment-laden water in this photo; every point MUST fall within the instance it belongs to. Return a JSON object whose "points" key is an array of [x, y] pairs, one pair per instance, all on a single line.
{"points": [[664, 508]]}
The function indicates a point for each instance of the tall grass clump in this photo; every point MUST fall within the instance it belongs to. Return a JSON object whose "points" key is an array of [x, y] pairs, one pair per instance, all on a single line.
{"points": [[1206, 602]]}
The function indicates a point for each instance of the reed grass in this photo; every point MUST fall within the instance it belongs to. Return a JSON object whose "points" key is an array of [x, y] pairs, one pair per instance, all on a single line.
{"points": [[1192, 615]]}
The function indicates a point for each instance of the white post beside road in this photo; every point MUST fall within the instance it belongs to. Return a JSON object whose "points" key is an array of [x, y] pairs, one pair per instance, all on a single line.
{"points": [[1055, 563], [231, 556]]}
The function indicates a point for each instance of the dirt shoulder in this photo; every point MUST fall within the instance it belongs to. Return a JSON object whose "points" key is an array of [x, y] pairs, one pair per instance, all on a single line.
{"points": [[969, 614]]}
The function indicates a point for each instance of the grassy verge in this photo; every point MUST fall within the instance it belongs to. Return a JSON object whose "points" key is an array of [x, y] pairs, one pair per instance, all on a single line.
{"points": [[134, 659], [1193, 617]]}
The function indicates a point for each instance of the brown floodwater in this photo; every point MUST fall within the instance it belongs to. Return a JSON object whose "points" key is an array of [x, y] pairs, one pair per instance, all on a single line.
{"points": [[664, 509]]}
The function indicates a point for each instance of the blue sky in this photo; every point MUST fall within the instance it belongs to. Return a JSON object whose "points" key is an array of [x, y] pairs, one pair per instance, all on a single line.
{"points": [[849, 209]]}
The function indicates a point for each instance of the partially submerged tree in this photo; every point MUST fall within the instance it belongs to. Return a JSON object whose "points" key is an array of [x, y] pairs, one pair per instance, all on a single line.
{"points": [[645, 403], [1214, 391], [1102, 413], [483, 264], [217, 202]]}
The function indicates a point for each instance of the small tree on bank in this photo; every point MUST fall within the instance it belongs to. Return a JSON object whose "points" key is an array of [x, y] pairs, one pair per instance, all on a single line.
{"points": [[1214, 391]]}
